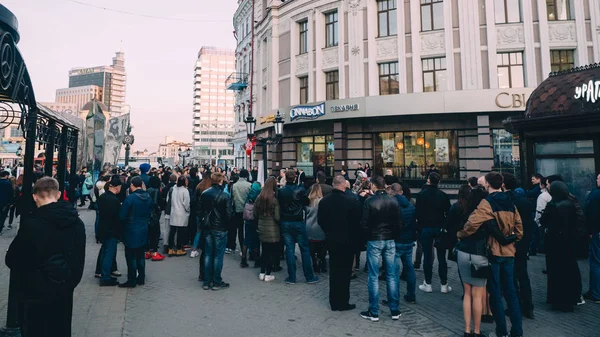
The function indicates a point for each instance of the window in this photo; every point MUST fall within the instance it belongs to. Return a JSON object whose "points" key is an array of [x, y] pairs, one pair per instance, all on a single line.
{"points": [[558, 10], [303, 37], [388, 78], [507, 11], [303, 89], [331, 29], [434, 74], [316, 154], [432, 15], [561, 60], [409, 154], [510, 70], [15, 132], [506, 152], [386, 10], [332, 85]]}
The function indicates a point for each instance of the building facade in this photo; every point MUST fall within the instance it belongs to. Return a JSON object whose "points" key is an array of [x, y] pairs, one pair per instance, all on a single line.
{"points": [[69, 108], [79, 96], [108, 82], [409, 84], [213, 117], [169, 151]]}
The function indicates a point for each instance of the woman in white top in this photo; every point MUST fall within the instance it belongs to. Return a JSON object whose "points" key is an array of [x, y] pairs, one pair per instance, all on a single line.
{"points": [[179, 198]]}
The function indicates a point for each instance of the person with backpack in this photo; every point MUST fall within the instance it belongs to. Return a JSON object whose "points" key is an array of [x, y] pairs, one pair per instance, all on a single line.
{"points": [[47, 258]]}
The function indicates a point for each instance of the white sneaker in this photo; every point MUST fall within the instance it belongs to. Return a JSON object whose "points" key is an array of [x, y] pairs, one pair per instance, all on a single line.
{"points": [[426, 287], [445, 289], [269, 278], [194, 254], [261, 276]]}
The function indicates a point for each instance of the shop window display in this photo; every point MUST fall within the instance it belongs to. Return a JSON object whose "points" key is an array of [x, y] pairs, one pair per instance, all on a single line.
{"points": [[410, 154], [506, 152], [316, 154]]}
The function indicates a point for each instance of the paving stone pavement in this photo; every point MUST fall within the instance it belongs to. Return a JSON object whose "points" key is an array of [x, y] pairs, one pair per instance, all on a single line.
{"points": [[172, 303]]}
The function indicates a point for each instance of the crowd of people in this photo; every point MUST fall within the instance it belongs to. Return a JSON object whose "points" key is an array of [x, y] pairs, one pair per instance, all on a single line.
{"points": [[490, 232]]}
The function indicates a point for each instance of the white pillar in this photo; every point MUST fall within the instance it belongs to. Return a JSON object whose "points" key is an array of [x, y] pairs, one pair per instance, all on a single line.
{"points": [[544, 38], [341, 50], [356, 68], [595, 21], [450, 85], [319, 44], [294, 50], [490, 20], [415, 27], [311, 53], [402, 85], [530, 67], [372, 31], [273, 86], [582, 52]]}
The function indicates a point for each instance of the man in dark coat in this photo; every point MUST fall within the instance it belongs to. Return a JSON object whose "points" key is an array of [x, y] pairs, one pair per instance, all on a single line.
{"points": [[50, 245], [109, 230], [339, 216], [134, 215], [7, 197], [526, 210]]}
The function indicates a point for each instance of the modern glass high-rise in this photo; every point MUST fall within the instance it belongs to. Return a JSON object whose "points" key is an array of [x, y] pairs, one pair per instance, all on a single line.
{"points": [[213, 117]]}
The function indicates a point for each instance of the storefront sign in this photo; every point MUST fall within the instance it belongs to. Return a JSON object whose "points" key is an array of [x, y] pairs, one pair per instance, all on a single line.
{"points": [[590, 92], [345, 107], [267, 119], [307, 112], [505, 100], [85, 71]]}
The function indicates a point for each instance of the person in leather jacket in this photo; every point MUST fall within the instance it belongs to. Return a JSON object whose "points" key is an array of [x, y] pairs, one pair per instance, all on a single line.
{"points": [[214, 211], [292, 201], [381, 222]]}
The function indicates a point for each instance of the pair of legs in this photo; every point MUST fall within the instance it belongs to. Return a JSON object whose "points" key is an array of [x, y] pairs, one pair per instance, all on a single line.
{"points": [[473, 301], [404, 255], [237, 229], [47, 318], [109, 258], [502, 282], [376, 251], [269, 258], [427, 240], [318, 251], [214, 250], [523, 284], [153, 237], [181, 237], [340, 261], [99, 261], [3, 215], [594, 260], [136, 265], [292, 233]]}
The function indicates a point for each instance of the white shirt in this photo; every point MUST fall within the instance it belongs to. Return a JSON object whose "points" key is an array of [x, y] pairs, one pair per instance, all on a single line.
{"points": [[542, 200]]}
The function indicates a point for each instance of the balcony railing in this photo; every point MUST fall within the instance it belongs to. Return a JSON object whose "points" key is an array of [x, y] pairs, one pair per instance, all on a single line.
{"points": [[236, 81]]}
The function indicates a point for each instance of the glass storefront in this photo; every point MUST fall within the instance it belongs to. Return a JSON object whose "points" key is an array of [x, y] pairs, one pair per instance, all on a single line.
{"points": [[573, 160], [506, 152], [409, 154], [316, 154]]}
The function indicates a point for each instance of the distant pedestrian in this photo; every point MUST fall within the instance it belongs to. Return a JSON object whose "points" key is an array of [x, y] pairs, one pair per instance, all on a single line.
{"points": [[179, 200], [339, 217], [110, 230], [7, 197], [135, 213], [50, 245]]}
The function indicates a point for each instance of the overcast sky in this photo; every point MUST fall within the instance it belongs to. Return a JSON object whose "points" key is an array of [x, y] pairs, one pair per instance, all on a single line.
{"points": [[160, 55]]}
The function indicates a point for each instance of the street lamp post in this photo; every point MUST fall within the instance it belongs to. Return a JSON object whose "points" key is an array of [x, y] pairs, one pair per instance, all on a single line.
{"points": [[128, 141], [184, 154], [265, 141]]}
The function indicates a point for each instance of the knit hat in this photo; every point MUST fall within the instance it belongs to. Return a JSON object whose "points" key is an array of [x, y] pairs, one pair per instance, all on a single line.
{"points": [[145, 167]]}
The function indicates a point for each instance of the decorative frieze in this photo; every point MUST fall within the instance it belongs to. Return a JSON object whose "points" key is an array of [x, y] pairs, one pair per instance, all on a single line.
{"points": [[387, 47], [330, 58], [301, 64], [433, 43]]}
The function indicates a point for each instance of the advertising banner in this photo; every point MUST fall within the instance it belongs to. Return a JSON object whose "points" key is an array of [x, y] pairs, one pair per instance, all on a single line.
{"points": [[115, 133]]}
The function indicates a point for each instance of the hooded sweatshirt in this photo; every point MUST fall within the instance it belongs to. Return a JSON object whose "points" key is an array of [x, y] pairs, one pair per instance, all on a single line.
{"points": [[50, 230]]}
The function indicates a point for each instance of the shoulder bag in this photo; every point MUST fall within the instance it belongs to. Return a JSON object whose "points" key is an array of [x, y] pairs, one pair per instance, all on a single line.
{"points": [[248, 213]]}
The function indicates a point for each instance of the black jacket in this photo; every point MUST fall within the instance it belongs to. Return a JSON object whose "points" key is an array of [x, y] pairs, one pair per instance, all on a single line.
{"points": [[50, 230], [109, 223], [432, 207], [214, 209], [526, 211], [292, 200], [381, 217], [165, 193], [408, 234], [339, 217]]}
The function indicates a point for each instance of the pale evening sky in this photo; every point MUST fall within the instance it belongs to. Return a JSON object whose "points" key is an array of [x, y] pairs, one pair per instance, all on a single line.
{"points": [[160, 55]]}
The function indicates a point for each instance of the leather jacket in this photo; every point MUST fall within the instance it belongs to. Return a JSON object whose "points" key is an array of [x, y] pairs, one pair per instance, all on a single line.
{"points": [[214, 209], [292, 200], [382, 217]]}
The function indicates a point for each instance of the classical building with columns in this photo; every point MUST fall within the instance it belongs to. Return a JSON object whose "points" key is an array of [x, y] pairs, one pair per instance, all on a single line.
{"points": [[406, 84]]}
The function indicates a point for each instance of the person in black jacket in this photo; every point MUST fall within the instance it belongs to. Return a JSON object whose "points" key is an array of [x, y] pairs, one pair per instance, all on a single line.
{"points": [[526, 210], [214, 211], [339, 216], [109, 230], [432, 208], [50, 245], [292, 201], [381, 222]]}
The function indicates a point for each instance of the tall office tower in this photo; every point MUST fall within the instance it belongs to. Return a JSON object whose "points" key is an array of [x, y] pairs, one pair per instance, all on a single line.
{"points": [[107, 83], [213, 117]]}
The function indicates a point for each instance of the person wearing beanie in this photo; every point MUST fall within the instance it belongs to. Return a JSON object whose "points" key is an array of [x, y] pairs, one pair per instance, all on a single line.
{"points": [[144, 169]]}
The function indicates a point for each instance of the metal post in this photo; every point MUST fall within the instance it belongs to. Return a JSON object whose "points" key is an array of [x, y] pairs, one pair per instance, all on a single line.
{"points": [[73, 171], [127, 148], [264, 154], [50, 149], [61, 170]]}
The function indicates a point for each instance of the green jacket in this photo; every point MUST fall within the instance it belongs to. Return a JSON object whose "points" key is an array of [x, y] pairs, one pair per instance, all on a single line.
{"points": [[239, 194]]}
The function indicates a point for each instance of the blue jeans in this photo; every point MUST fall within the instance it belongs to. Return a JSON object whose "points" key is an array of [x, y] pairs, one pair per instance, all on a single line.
{"points": [[502, 281], [594, 259], [109, 246], [427, 239], [404, 253], [136, 264], [196, 240], [292, 233], [214, 249], [375, 251]]}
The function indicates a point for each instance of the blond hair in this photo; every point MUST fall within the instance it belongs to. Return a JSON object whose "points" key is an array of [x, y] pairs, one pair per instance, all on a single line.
{"points": [[315, 194]]}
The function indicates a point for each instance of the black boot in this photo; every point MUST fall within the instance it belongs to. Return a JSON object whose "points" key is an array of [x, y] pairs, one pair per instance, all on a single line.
{"points": [[323, 265], [244, 263]]}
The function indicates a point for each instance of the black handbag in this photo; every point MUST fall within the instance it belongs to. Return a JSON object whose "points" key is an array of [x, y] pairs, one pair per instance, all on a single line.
{"points": [[479, 271]]}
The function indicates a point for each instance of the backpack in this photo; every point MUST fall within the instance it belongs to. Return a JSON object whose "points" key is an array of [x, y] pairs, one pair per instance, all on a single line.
{"points": [[248, 213], [154, 219], [168, 204]]}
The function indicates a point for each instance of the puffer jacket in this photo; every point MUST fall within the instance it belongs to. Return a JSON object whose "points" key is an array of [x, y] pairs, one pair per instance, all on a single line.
{"points": [[381, 217], [499, 207], [215, 204], [408, 234], [135, 213], [292, 201], [268, 224]]}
